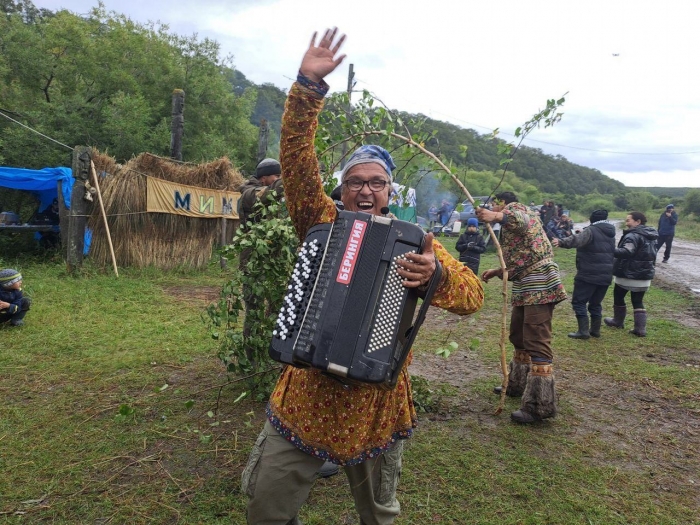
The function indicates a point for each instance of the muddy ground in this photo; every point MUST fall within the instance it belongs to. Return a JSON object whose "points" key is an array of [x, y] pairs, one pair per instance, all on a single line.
{"points": [[683, 267]]}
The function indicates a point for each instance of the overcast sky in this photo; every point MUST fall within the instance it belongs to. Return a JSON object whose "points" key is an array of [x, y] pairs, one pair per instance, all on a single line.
{"points": [[630, 67]]}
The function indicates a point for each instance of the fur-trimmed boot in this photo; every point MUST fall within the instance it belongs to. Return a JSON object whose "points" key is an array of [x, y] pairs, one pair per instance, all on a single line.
{"points": [[595, 326], [539, 400], [618, 319], [583, 328], [518, 369], [640, 322]]}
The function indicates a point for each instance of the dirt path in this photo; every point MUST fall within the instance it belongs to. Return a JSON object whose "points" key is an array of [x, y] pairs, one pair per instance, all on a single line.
{"points": [[683, 267]]}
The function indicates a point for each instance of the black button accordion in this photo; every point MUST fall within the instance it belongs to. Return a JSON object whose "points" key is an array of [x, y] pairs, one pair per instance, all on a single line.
{"points": [[346, 311]]}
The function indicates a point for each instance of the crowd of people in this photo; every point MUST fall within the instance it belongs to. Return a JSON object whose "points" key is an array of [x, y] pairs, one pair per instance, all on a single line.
{"points": [[557, 223]]}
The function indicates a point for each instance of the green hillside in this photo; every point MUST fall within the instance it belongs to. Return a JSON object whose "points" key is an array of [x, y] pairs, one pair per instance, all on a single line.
{"points": [[550, 174]]}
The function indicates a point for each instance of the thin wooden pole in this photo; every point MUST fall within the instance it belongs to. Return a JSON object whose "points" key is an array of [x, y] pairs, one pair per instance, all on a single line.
{"points": [[104, 217], [222, 259], [351, 77]]}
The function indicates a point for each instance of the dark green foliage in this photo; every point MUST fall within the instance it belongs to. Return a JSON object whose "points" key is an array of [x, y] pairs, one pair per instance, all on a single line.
{"points": [[106, 81]]}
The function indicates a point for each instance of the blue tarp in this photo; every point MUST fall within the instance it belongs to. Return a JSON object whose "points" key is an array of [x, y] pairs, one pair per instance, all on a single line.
{"points": [[43, 183]]}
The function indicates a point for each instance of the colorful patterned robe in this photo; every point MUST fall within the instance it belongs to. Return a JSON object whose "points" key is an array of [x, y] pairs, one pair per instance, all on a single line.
{"points": [[319, 415], [529, 258]]}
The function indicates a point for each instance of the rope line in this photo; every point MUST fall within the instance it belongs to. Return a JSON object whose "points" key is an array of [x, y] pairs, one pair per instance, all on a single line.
{"points": [[35, 131]]}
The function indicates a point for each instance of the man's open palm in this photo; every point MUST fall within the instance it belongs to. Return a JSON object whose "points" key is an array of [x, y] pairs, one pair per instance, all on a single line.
{"points": [[319, 61]]}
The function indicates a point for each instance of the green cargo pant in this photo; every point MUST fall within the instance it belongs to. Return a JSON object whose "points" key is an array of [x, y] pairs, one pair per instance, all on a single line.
{"points": [[279, 476]]}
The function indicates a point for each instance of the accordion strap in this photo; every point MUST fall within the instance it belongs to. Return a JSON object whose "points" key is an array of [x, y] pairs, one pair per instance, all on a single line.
{"points": [[432, 287]]}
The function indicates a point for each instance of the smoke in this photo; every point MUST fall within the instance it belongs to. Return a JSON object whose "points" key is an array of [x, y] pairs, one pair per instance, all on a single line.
{"points": [[429, 192]]}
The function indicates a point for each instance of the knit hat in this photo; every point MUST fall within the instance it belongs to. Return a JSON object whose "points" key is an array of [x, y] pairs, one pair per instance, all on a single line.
{"points": [[670, 206], [472, 221], [367, 154], [599, 215], [267, 167], [8, 277]]}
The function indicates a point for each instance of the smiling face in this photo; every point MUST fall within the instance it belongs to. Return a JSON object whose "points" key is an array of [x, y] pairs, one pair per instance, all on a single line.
{"points": [[365, 199]]}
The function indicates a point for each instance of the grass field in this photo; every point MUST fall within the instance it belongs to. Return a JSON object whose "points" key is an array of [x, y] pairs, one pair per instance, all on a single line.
{"points": [[116, 410]]}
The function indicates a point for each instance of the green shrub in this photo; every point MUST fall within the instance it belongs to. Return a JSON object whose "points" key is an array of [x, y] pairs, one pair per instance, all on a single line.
{"points": [[691, 203], [596, 202]]}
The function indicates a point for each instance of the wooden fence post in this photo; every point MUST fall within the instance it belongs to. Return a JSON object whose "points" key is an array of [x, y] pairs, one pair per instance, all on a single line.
{"points": [[178, 124], [78, 209]]}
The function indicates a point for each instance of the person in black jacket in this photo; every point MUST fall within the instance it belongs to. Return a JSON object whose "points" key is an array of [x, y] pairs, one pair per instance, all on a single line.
{"points": [[594, 264], [633, 270], [471, 245], [667, 229]]}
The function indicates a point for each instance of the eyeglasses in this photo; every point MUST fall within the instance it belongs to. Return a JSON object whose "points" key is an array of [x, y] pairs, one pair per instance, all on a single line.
{"points": [[374, 184]]}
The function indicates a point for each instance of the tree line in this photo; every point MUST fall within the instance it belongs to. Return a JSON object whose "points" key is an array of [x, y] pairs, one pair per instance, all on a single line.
{"points": [[105, 80]]}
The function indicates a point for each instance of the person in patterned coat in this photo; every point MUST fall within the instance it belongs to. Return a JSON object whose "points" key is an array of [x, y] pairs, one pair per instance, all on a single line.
{"points": [[536, 289], [312, 418]]}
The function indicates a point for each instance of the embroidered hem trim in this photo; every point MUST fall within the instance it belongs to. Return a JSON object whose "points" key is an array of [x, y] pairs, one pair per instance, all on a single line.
{"points": [[295, 440]]}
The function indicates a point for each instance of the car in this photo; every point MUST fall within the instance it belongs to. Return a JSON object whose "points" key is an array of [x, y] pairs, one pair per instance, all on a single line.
{"points": [[468, 209], [423, 223]]}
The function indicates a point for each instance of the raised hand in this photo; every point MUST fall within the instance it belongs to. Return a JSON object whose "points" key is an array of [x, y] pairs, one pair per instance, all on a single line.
{"points": [[320, 60]]}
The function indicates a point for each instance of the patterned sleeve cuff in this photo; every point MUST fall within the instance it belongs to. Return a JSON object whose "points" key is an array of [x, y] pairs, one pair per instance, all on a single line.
{"points": [[320, 88]]}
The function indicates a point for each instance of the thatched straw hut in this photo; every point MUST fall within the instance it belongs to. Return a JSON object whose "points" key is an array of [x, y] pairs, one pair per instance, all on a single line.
{"points": [[161, 240]]}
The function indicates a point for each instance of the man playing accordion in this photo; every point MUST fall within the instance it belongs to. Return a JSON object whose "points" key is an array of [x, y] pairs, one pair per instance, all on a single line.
{"points": [[312, 418]]}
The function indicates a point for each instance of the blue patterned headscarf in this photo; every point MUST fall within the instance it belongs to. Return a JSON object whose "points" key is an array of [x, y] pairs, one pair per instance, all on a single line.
{"points": [[371, 153]]}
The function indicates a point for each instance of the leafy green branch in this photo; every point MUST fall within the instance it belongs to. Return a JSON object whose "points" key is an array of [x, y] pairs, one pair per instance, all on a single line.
{"points": [[269, 245], [544, 118]]}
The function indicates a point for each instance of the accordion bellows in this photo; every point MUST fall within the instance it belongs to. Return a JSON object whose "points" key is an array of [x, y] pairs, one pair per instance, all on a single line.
{"points": [[346, 311]]}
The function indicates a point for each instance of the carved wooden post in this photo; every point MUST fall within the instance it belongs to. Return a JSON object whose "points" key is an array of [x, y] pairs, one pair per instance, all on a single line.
{"points": [[178, 124], [78, 209], [262, 139]]}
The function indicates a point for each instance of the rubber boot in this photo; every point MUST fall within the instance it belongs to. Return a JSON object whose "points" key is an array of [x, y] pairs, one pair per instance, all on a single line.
{"points": [[618, 319], [640, 323], [595, 326], [539, 400], [583, 328], [518, 370]]}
